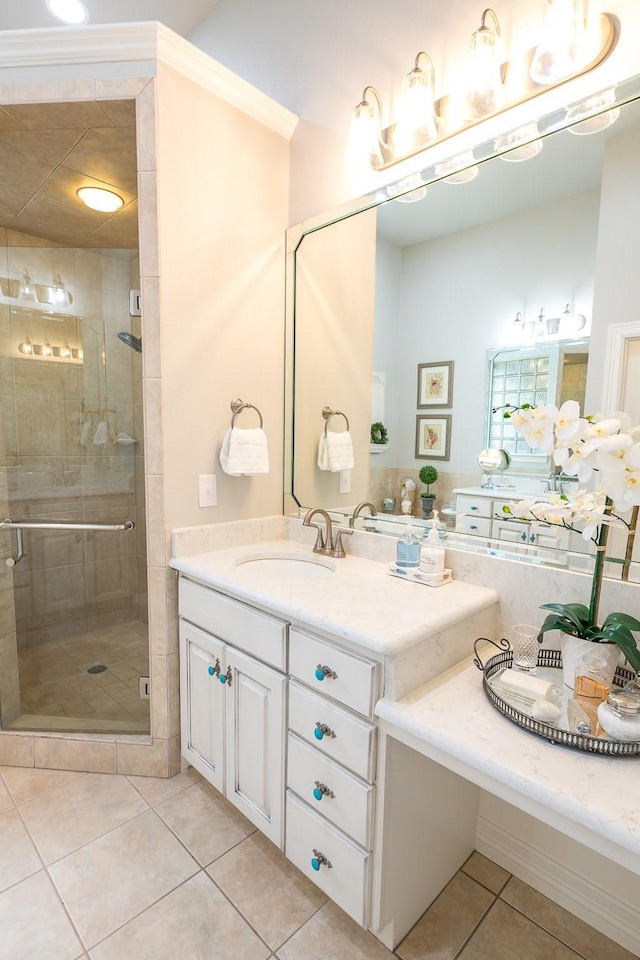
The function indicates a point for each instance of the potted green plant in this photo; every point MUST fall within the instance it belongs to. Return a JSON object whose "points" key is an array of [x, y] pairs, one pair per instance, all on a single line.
{"points": [[427, 475]]}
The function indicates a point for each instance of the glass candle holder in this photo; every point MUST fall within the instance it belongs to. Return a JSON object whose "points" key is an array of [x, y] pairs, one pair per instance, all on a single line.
{"points": [[524, 644]]}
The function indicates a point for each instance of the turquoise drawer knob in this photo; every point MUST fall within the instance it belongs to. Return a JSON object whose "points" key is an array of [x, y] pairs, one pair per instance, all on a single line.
{"points": [[214, 671], [319, 860], [211, 670], [322, 672], [226, 677], [322, 730], [321, 790]]}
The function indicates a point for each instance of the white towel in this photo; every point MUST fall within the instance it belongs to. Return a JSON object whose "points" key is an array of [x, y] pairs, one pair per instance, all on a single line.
{"points": [[335, 451], [85, 433], [101, 437], [244, 452]]}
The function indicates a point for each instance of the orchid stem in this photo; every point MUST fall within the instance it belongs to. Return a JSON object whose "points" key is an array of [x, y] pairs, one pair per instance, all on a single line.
{"points": [[598, 570]]}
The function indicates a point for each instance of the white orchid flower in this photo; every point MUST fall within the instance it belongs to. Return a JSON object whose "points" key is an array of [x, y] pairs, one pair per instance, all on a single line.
{"points": [[569, 425], [602, 428], [621, 476]]}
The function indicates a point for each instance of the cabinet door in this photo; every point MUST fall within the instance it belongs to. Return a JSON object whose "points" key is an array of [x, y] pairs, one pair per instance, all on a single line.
{"points": [[202, 702], [255, 742], [514, 531], [549, 535]]}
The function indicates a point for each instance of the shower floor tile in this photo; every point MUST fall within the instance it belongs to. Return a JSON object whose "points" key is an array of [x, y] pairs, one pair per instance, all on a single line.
{"points": [[56, 691]]}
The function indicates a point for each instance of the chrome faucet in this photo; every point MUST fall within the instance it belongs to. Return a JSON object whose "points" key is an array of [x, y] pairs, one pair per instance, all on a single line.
{"points": [[325, 543], [356, 513]]}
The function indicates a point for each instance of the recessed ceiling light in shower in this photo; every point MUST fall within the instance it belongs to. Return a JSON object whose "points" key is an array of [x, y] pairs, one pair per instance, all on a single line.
{"points": [[69, 11], [106, 201]]}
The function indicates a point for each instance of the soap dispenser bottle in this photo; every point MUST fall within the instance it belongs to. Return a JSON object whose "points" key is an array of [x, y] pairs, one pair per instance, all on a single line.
{"points": [[408, 549], [432, 551]]}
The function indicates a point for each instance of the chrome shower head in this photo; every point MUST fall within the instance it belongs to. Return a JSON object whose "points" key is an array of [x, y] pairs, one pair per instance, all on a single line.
{"points": [[131, 341]]}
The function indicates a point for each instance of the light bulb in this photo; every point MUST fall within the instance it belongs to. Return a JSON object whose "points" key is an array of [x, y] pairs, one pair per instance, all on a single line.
{"points": [[460, 169], [561, 47], [485, 94], [416, 126], [571, 322], [26, 347], [66, 350], [408, 190], [47, 350], [519, 144], [97, 198], [592, 115], [364, 143], [69, 11], [27, 291]]}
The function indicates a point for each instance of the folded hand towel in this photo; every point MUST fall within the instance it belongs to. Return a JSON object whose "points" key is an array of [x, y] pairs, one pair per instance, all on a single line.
{"points": [[335, 451], [244, 452], [101, 436], [85, 433]]}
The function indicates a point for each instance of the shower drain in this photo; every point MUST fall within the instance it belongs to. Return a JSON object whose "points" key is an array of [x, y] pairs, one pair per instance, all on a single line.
{"points": [[97, 668]]}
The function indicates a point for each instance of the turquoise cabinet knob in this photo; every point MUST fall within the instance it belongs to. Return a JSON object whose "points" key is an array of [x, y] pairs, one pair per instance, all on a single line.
{"points": [[319, 674], [322, 790], [319, 860], [323, 671], [223, 678], [211, 670], [315, 863], [318, 733], [322, 730]]}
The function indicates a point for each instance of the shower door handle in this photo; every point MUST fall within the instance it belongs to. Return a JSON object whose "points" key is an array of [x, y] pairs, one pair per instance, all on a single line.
{"points": [[11, 561], [18, 525]]}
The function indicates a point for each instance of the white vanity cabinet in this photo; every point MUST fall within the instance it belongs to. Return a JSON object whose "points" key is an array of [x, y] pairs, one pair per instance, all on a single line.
{"points": [[331, 769], [232, 704], [482, 516]]}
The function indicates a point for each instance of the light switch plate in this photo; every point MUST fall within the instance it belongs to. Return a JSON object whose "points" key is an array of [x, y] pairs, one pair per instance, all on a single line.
{"points": [[345, 481], [207, 490]]}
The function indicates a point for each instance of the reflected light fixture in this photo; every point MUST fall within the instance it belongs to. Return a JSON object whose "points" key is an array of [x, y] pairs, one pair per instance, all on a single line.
{"points": [[27, 290], [98, 198], [60, 297], [408, 190], [459, 169], [26, 346], [561, 49], [47, 350], [592, 115], [66, 350], [485, 94], [571, 322], [417, 124], [520, 144], [69, 11], [366, 128]]}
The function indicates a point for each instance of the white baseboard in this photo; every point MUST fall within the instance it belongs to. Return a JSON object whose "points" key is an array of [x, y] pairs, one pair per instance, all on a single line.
{"points": [[586, 884]]}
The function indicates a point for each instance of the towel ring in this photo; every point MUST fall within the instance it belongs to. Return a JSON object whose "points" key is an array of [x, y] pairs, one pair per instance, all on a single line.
{"points": [[238, 406], [327, 413]]}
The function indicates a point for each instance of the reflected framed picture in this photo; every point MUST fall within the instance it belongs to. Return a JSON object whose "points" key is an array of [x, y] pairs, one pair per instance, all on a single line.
{"points": [[433, 436], [435, 384]]}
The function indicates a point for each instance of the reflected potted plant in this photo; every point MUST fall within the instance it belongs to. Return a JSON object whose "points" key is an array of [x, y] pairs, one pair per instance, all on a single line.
{"points": [[427, 475], [379, 437], [586, 448]]}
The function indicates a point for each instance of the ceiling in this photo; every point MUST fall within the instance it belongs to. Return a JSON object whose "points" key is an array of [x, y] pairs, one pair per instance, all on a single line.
{"points": [[48, 151], [182, 16]]}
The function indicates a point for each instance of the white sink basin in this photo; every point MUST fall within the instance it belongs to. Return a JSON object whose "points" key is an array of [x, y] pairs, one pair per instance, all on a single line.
{"points": [[298, 566]]}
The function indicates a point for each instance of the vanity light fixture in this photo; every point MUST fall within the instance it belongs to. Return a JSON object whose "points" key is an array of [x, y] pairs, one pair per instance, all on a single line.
{"points": [[27, 290], [459, 169], [409, 190], [520, 144], [366, 129], [60, 297], [47, 350], [417, 124], [65, 351], [485, 95], [592, 115], [570, 44], [562, 46], [26, 347], [69, 11], [98, 198], [571, 322]]}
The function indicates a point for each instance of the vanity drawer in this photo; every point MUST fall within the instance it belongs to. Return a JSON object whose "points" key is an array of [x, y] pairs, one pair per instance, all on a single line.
{"points": [[354, 743], [356, 682], [256, 633], [474, 506], [477, 526], [347, 881], [350, 808]]}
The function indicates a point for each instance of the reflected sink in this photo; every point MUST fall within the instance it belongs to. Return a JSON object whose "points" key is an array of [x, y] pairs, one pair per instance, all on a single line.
{"points": [[296, 566]]}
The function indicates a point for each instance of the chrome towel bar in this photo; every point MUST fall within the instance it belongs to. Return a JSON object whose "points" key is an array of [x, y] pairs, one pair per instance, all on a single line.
{"points": [[63, 525]]}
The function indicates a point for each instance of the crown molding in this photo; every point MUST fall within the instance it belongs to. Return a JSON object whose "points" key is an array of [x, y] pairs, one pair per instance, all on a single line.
{"points": [[131, 42]]}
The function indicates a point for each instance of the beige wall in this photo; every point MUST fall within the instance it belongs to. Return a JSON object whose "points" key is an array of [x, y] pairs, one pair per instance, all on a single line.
{"points": [[222, 197], [334, 309]]}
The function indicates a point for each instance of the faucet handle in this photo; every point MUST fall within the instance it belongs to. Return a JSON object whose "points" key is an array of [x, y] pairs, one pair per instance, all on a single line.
{"points": [[319, 545], [338, 549]]}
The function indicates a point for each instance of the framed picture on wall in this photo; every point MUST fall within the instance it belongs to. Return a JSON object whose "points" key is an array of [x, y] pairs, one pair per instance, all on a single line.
{"points": [[435, 384], [433, 436]]}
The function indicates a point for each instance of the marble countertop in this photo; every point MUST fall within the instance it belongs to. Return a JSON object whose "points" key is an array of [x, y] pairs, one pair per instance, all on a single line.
{"points": [[451, 720], [358, 603]]}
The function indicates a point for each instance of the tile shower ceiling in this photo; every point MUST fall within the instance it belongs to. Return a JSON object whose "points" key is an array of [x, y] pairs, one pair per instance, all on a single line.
{"points": [[49, 151]]}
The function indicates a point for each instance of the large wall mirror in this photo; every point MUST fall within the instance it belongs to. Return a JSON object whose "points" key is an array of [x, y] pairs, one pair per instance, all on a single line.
{"points": [[515, 256]]}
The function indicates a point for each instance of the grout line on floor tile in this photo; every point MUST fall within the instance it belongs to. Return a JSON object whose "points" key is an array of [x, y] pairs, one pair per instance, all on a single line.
{"points": [[310, 917], [100, 835], [480, 883], [544, 929], [476, 925]]}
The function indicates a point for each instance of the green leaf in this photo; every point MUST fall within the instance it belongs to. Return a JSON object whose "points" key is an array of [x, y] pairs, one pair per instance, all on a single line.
{"points": [[554, 622], [620, 635], [624, 618], [576, 613]]}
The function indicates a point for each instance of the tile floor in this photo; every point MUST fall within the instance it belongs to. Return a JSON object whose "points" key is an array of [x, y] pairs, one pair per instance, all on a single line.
{"points": [[57, 693], [128, 868]]}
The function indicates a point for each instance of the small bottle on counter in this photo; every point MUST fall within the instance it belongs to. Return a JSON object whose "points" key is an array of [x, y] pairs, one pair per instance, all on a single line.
{"points": [[432, 551], [408, 549], [591, 687], [619, 716]]}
